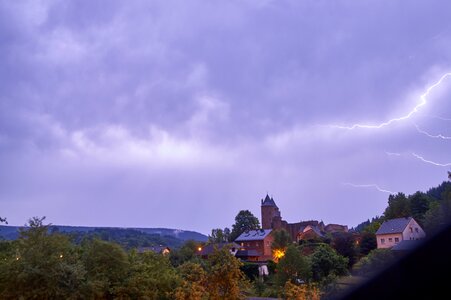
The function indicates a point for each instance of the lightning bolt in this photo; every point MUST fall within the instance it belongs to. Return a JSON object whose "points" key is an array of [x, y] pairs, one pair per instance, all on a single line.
{"points": [[393, 153], [372, 185], [402, 118], [438, 136], [440, 118], [431, 162]]}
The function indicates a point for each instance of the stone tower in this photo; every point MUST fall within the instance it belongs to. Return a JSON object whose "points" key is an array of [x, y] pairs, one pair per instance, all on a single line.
{"points": [[271, 218]]}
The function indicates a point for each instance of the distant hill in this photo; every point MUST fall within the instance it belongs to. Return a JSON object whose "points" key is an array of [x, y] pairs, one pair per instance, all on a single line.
{"points": [[127, 237]]}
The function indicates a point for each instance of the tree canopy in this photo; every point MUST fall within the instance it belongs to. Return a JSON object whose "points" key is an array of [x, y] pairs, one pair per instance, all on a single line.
{"points": [[293, 267], [244, 221]]}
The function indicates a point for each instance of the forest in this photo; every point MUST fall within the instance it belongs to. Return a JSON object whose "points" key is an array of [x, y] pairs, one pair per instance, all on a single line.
{"points": [[48, 264]]}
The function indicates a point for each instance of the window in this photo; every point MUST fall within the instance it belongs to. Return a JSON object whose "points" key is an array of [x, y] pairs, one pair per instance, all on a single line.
{"points": [[242, 244], [411, 229], [390, 240], [396, 240], [256, 244], [382, 241], [416, 230]]}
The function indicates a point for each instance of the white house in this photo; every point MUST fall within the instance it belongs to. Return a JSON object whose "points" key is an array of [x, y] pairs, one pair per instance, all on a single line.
{"points": [[394, 231]]}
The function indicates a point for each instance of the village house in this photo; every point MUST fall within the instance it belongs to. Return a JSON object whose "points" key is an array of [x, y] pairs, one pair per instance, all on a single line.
{"points": [[393, 231], [255, 245], [309, 232]]}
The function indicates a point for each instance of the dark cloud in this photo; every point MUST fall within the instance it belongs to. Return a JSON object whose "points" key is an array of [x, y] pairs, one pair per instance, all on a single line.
{"points": [[180, 114]]}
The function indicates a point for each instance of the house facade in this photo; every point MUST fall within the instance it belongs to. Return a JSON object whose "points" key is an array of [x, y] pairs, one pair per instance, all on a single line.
{"points": [[257, 243], [393, 231]]}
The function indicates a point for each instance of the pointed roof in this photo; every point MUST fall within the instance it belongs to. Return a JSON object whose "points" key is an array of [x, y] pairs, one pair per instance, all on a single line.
{"points": [[394, 226], [268, 201]]}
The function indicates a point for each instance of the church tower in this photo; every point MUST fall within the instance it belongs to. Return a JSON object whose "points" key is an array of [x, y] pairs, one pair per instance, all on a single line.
{"points": [[271, 218]]}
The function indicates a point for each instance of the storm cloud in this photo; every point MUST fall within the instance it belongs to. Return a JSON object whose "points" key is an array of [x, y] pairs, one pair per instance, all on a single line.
{"points": [[181, 113]]}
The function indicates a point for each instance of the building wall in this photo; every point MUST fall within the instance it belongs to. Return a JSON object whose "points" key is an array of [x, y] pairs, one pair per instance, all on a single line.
{"points": [[335, 228], [267, 251], [272, 219], [413, 231], [388, 240], [254, 245], [263, 247], [268, 214]]}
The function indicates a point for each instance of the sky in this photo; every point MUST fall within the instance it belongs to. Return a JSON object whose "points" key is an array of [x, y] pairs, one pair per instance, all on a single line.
{"points": [[179, 114]]}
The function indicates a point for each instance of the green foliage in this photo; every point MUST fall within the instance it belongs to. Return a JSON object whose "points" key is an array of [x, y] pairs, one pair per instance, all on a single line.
{"points": [[368, 242], [398, 207], [374, 262], [326, 262], [292, 267], [224, 275], [127, 238], [185, 253], [244, 220], [437, 192], [219, 236], [281, 239], [370, 226], [106, 266], [151, 276], [344, 243], [42, 266], [419, 205], [301, 292], [250, 270], [193, 286]]}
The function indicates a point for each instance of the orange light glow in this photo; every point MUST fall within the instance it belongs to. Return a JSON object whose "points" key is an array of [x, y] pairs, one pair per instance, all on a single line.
{"points": [[278, 254], [199, 249]]}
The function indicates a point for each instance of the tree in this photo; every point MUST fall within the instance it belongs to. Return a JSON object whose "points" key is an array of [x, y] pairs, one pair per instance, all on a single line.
{"points": [[194, 282], [217, 236], [227, 233], [344, 244], [281, 239], [439, 212], [107, 267], [398, 207], [280, 243], [224, 275], [326, 263], [374, 262], [42, 266], [302, 292], [151, 276], [244, 221], [292, 267], [373, 226], [186, 253], [367, 243], [419, 205]]}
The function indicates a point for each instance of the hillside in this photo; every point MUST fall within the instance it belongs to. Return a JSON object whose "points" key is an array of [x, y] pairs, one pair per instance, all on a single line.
{"points": [[127, 237]]}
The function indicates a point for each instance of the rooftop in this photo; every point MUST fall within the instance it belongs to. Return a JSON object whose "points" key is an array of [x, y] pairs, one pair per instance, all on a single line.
{"points": [[394, 226], [268, 201], [254, 235], [406, 245], [210, 248]]}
